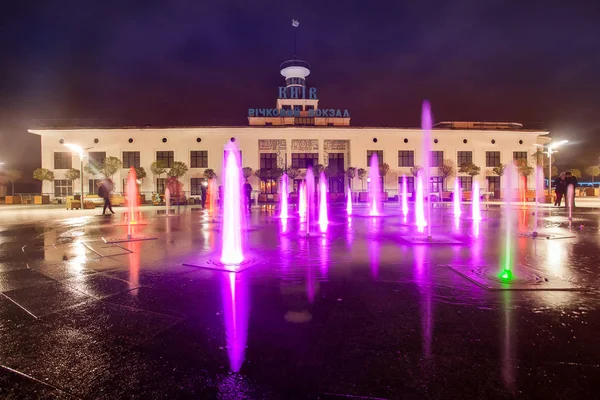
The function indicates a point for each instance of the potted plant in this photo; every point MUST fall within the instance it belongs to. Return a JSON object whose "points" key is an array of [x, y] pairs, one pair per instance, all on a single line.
{"points": [[383, 171], [158, 168], [362, 174], [472, 170], [41, 174], [446, 170]]}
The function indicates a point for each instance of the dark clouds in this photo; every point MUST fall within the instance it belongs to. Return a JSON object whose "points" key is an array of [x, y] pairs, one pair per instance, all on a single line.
{"points": [[195, 63]]}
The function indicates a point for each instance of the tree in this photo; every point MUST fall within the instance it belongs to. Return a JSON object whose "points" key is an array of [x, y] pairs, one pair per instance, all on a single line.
{"points": [[13, 175], [576, 173], [107, 168], [383, 171], [593, 171], [158, 168], [73, 174], [470, 169], [43, 174], [540, 159], [248, 172], [416, 170], [271, 173], [446, 170], [361, 173], [524, 169], [351, 173], [499, 169], [209, 173], [178, 170], [140, 173]]}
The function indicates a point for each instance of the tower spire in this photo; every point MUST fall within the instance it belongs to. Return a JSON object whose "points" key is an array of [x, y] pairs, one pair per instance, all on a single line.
{"points": [[295, 24]]}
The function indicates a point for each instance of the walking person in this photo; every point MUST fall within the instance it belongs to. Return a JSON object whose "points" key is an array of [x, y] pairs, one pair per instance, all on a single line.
{"points": [[248, 193], [104, 189], [570, 180], [203, 192], [560, 188]]}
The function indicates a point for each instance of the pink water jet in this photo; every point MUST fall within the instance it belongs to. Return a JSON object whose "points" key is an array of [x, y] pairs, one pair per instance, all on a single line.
{"points": [[404, 196], [232, 219], [302, 200], [283, 197], [419, 210], [426, 125], [132, 196], [476, 204], [457, 198], [323, 217], [539, 192], [349, 203], [310, 198], [374, 187]]}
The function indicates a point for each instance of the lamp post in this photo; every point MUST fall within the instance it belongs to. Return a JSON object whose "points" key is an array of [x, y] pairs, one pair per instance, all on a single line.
{"points": [[549, 149], [79, 150]]}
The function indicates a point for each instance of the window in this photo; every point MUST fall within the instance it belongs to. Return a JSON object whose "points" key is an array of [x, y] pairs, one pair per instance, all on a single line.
{"points": [[93, 186], [410, 184], [268, 186], [161, 185], [304, 160], [492, 158], [196, 186], [406, 158], [336, 164], [437, 158], [63, 187], [166, 156], [225, 153], [268, 160], [199, 159], [464, 157], [63, 160], [466, 183], [379, 154], [336, 161], [131, 159], [97, 157], [493, 183], [436, 184], [519, 155], [304, 121]]}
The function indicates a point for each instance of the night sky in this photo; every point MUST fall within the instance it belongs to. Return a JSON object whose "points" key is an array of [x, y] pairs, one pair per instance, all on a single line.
{"points": [[107, 63]]}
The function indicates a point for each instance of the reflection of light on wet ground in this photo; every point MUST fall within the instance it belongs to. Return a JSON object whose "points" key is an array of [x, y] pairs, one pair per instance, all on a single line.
{"points": [[236, 309], [421, 271], [77, 262], [508, 356], [557, 257]]}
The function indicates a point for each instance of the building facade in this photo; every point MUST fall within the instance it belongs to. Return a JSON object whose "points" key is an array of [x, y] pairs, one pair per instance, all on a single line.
{"points": [[297, 133]]}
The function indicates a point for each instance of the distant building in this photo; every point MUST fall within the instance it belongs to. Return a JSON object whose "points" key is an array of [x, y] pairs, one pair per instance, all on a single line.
{"points": [[296, 133]]}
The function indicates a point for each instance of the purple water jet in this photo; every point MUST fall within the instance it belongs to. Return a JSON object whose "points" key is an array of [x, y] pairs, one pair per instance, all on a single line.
{"points": [[539, 191], [349, 202], [426, 124], [374, 187], [457, 198], [404, 196], [302, 200], [476, 206], [283, 197], [232, 224], [310, 197], [323, 217], [419, 211]]}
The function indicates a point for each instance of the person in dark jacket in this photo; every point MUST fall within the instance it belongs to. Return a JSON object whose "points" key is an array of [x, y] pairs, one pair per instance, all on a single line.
{"points": [[560, 188], [106, 186], [248, 193], [570, 180]]}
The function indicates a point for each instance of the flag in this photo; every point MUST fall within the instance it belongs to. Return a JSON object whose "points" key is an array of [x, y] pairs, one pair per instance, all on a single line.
{"points": [[295, 23]]}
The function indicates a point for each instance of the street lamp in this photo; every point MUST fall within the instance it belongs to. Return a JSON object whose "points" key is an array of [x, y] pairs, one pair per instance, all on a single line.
{"points": [[549, 149], [79, 150]]}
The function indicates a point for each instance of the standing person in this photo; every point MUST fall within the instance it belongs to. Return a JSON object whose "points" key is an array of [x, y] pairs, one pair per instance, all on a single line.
{"points": [[104, 190], [248, 193], [220, 197], [560, 188], [203, 192], [570, 180]]}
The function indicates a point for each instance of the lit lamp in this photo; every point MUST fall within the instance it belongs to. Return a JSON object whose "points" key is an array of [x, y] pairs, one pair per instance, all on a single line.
{"points": [[79, 150], [550, 150]]}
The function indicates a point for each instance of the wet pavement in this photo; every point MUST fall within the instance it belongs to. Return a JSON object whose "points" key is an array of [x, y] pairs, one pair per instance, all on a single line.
{"points": [[358, 311]]}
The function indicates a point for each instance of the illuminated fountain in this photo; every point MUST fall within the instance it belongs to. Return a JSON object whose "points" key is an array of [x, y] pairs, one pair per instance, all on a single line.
{"points": [[426, 124], [167, 202], [302, 200], [539, 191], [132, 201], [457, 198], [419, 210], [475, 204], [310, 198], [283, 198], [232, 219], [374, 187], [570, 196], [404, 197], [349, 203], [323, 218], [511, 177]]}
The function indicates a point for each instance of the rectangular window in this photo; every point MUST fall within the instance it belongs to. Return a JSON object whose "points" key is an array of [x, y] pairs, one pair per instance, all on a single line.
{"points": [[161, 184], [519, 155], [199, 159], [225, 153], [493, 183], [379, 154], [166, 156], [63, 160], [196, 186], [492, 158], [466, 183], [437, 158], [336, 161], [93, 186], [97, 157], [131, 159], [304, 121], [406, 158], [436, 184], [304, 160], [63, 187], [464, 157], [410, 184], [268, 160], [268, 186]]}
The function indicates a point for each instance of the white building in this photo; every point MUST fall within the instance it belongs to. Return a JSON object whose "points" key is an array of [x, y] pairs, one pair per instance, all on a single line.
{"points": [[295, 134]]}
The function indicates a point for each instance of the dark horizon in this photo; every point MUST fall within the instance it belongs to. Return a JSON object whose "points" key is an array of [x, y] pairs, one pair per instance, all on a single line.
{"points": [[192, 64]]}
